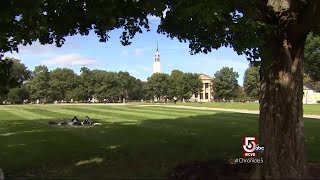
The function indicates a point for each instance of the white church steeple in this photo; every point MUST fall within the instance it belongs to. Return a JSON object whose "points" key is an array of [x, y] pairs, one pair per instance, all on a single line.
{"points": [[156, 65]]}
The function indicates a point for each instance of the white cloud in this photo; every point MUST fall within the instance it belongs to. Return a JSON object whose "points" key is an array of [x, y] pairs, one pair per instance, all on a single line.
{"points": [[135, 52], [37, 48], [71, 60], [12, 55]]}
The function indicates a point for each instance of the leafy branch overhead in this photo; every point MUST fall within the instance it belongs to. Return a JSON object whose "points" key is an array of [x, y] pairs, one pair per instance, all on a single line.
{"points": [[49, 22], [243, 25]]}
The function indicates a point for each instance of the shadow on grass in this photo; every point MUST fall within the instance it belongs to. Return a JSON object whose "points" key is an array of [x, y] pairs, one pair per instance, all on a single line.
{"points": [[126, 150]]}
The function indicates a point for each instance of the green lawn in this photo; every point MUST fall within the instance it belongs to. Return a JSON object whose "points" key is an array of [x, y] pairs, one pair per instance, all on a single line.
{"points": [[313, 109], [132, 142]]}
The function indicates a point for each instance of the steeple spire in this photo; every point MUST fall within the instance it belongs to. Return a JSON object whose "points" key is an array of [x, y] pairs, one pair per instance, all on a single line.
{"points": [[157, 45]]}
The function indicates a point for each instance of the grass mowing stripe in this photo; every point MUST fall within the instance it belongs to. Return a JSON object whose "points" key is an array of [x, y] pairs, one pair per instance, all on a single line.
{"points": [[22, 113], [81, 115], [124, 112], [168, 111], [186, 110], [8, 115], [44, 111], [110, 115]]}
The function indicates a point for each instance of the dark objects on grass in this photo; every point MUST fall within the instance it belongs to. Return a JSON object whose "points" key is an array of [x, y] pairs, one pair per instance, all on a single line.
{"points": [[75, 121]]}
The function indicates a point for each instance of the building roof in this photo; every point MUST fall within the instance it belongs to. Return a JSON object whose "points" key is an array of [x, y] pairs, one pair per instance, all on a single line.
{"points": [[205, 76]]}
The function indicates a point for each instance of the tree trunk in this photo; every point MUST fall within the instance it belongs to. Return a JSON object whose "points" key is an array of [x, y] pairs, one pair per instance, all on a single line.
{"points": [[281, 124]]}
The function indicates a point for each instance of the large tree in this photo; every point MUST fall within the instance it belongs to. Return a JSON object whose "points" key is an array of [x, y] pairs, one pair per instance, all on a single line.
{"points": [[311, 65], [251, 83], [175, 85], [190, 84], [158, 84], [18, 95], [13, 74], [273, 31], [39, 85], [312, 57], [62, 82], [226, 83]]}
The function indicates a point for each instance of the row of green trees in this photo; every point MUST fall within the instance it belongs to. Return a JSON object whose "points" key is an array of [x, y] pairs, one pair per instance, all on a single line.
{"points": [[177, 84], [18, 83]]}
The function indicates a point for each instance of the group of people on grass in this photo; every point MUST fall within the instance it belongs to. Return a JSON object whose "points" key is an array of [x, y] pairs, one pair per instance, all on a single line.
{"points": [[86, 121], [74, 121]]}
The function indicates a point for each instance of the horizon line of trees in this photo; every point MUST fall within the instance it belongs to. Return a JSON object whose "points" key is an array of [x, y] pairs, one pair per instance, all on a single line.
{"points": [[19, 83]]}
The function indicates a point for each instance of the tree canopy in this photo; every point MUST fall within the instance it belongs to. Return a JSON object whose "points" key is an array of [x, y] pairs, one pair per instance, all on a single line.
{"points": [[251, 83], [225, 84], [312, 57], [13, 74]]}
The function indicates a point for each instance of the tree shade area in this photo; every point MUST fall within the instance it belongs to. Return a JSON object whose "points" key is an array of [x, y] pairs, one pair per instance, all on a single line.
{"points": [[272, 31]]}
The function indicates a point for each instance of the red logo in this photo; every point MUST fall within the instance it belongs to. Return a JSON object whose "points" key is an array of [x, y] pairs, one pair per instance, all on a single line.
{"points": [[249, 146]]}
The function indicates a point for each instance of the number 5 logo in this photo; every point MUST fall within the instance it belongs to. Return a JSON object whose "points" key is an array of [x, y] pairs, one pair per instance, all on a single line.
{"points": [[249, 144]]}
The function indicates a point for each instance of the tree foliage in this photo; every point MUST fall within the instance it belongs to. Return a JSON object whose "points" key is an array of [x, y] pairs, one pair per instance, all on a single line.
{"points": [[62, 81], [158, 85], [190, 84], [312, 57], [225, 83], [177, 84], [40, 84], [251, 83], [17, 95], [13, 74]]}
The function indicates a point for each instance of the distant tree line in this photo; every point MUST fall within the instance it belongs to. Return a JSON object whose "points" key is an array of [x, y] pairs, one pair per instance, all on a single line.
{"points": [[177, 84], [17, 83]]}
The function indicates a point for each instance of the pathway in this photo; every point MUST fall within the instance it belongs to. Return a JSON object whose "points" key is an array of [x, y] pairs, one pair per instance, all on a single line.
{"points": [[226, 110]]}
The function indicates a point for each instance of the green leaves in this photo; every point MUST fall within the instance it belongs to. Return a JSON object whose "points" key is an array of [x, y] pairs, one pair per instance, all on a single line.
{"points": [[158, 85], [225, 84], [312, 57], [12, 75], [251, 82], [178, 84], [39, 86], [51, 21]]}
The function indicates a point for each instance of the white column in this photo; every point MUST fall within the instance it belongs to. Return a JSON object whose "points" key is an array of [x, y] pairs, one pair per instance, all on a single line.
{"points": [[204, 92], [209, 93]]}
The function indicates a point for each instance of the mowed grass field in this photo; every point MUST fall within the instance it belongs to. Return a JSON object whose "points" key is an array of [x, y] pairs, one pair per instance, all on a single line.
{"points": [[131, 142], [312, 109]]}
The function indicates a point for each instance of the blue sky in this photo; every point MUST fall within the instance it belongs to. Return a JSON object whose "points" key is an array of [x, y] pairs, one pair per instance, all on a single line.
{"points": [[137, 59]]}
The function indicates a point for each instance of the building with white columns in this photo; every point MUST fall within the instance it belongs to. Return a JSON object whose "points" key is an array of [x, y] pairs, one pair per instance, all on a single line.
{"points": [[206, 94]]}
